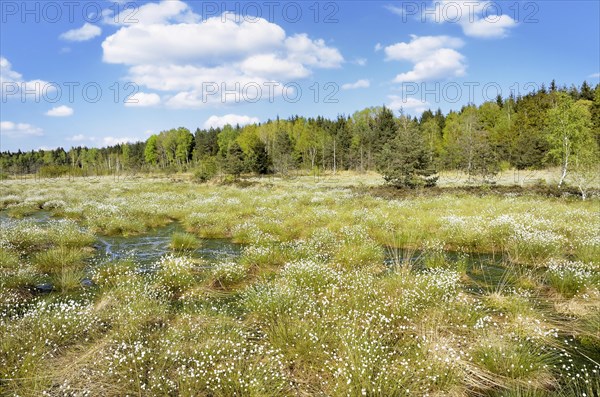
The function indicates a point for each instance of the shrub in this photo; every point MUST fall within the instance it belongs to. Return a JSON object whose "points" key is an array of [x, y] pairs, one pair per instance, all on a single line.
{"points": [[205, 171]]}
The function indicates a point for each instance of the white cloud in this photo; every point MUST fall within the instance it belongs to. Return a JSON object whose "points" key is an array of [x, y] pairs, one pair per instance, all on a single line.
{"points": [[100, 141], [378, 47], [6, 72], [211, 41], [231, 119], [153, 13], [271, 65], [358, 84], [19, 130], [594, 76], [13, 85], [60, 111], [489, 28], [408, 105], [84, 33], [80, 138], [172, 50], [395, 10], [112, 141], [441, 64], [480, 19], [360, 61], [142, 99], [301, 48], [434, 58], [420, 48]]}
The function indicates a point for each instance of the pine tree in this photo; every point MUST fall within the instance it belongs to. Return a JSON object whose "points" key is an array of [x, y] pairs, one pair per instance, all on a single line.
{"points": [[235, 160], [405, 161], [259, 161]]}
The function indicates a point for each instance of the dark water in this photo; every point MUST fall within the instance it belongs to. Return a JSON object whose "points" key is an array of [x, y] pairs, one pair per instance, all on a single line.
{"points": [[144, 249], [37, 216], [148, 248]]}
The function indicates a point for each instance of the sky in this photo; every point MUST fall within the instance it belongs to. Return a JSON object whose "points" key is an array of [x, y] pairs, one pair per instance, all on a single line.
{"points": [[97, 73]]}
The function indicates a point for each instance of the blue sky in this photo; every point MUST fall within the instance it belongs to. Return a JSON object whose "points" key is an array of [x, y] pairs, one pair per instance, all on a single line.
{"points": [[99, 72]]}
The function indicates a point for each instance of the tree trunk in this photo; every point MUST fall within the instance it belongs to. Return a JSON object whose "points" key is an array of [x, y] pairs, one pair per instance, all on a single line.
{"points": [[334, 164], [565, 161]]}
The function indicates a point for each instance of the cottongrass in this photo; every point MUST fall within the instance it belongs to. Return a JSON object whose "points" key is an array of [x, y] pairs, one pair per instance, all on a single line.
{"points": [[571, 277], [308, 308], [226, 274]]}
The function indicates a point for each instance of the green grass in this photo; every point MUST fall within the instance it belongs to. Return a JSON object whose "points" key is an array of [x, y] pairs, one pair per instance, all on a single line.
{"points": [[8, 259], [184, 242], [57, 259], [338, 291]]}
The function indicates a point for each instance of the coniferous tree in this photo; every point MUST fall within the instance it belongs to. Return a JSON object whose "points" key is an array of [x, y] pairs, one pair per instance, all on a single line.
{"points": [[405, 161], [259, 161], [235, 160]]}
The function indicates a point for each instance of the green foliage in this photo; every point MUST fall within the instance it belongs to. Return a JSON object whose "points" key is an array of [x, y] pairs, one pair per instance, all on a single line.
{"points": [[235, 161], [568, 130], [151, 151], [406, 160], [226, 138], [282, 152], [524, 133], [206, 170], [53, 171], [259, 160]]}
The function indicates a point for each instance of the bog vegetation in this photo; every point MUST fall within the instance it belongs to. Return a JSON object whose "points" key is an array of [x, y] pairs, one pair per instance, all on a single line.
{"points": [[338, 291], [343, 287]]}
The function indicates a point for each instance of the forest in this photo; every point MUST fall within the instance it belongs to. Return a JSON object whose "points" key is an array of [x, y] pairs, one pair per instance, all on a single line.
{"points": [[554, 126]]}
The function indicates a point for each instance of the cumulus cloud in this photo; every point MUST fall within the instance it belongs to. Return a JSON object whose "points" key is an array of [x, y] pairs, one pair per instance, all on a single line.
{"points": [[273, 66], [358, 84], [480, 19], [14, 86], [6, 72], [142, 99], [60, 111], [489, 28], [80, 138], [175, 51], [397, 10], [153, 13], [100, 141], [302, 49], [434, 58], [84, 33], [408, 105], [420, 48], [18, 130], [231, 119], [211, 41], [112, 141]]}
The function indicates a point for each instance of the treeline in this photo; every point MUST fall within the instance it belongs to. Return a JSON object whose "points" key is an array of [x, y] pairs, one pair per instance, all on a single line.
{"points": [[552, 126]]}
